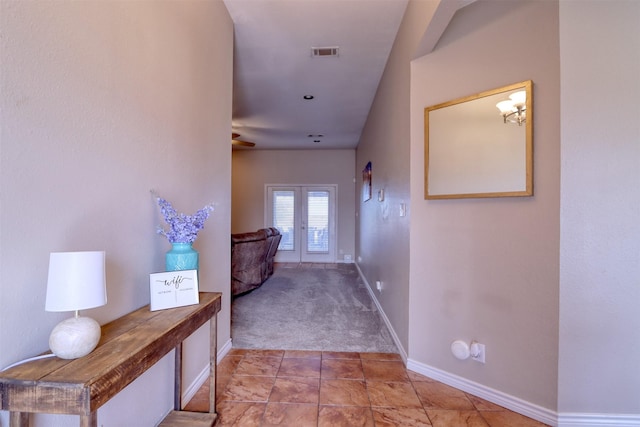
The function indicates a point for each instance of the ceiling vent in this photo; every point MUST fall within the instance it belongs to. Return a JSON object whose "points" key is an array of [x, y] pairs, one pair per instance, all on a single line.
{"points": [[324, 51]]}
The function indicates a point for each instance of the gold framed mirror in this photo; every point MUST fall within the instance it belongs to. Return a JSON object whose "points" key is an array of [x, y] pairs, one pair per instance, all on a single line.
{"points": [[481, 145]]}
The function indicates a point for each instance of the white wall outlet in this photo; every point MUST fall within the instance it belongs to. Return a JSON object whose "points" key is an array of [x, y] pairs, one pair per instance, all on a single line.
{"points": [[347, 258], [477, 351], [379, 285]]}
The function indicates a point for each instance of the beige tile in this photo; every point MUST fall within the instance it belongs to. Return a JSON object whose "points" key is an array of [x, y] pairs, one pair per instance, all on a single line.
{"points": [[297, 367], [264, 353], [392, 394], [452, 418], [259, 366], [342, 368], [248, 389], [295, 390], [340, 355], [228, 365], [249, 395], [221, 383], [303, 354], [240, 414], [236, 352], [392, 417], [435, 395], [344, 392], [345, 416], [200, 401], [384, 370], [414, 376], [283, 414], [483, 405], [381, 356], [509, 419]]}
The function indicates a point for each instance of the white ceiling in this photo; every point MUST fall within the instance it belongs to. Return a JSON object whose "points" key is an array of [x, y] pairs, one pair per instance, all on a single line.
{"points": [[274, 69]]}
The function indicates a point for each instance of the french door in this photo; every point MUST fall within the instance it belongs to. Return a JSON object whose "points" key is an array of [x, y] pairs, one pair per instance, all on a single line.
{"points": [[305, 216]]}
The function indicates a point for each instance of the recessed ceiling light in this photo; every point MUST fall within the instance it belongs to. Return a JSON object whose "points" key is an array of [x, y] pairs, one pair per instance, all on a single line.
{"points": [[308, 97]]}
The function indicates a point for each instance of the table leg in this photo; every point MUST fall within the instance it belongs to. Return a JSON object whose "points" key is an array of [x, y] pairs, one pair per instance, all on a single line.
{"points": [[177, 385], [18, 419], [90, 420], [213, 356]]}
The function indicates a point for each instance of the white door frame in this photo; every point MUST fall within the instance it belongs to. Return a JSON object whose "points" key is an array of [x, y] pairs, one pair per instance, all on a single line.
{"points": [[299, 254]]}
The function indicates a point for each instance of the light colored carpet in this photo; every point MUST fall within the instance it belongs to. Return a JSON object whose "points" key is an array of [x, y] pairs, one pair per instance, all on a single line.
{"points": [[310, 308]]}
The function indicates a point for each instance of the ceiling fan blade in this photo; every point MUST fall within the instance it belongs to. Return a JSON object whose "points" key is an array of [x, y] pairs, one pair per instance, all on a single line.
{"points": [[235, 141], [243, 143]]}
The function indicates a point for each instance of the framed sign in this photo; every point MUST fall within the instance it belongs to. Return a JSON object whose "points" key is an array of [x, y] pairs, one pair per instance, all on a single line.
{"points": [[173, 289], [366, 182]]}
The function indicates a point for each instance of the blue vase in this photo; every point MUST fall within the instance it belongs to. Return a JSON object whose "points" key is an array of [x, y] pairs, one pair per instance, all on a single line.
{"points": [[181, 257]]}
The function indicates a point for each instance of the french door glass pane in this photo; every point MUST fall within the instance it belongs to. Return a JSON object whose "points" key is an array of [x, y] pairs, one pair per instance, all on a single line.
{"points": [[283, 218], [318, 221]]}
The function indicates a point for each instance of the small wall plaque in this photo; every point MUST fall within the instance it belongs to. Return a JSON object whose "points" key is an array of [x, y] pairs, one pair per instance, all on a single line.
{"points": [[173, 289]]}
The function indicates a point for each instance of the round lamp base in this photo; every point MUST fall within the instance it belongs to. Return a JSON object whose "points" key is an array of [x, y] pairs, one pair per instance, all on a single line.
{"points": [[74, 338]]}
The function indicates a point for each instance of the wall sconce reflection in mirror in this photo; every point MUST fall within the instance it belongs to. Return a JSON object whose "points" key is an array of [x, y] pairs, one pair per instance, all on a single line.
{"points": [[471, 151], [514, 109]]}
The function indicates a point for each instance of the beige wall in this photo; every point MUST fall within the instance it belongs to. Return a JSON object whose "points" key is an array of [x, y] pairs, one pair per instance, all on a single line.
{"points": [[252, 169], [556, 307], [382, 235], [600, 239], [487, 269], [474, 269], [101, 102]]}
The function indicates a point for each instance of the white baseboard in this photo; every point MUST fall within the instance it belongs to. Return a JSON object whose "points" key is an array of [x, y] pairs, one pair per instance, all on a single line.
{"points": [[394, 336], [515, 404], [203, 376], [567, 419], [222, 351]]}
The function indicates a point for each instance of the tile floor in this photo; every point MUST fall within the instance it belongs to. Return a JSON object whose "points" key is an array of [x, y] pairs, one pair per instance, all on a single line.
{"points": [[313, 388]]}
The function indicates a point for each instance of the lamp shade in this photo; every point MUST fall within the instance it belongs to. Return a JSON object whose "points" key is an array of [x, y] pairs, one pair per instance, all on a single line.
{"points": [[76, 281], [505, 107], [519, 98]]}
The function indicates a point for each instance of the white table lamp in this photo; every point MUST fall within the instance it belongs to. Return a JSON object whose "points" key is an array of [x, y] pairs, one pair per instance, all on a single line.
{"points": [[76, 282]]}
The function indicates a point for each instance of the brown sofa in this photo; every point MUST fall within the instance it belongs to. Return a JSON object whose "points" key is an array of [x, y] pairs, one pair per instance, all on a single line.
{"points": [[252, 258]]}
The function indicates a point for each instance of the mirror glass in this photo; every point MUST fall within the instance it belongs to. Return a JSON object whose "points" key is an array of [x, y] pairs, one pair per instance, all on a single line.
{"points": [[475, 149]]}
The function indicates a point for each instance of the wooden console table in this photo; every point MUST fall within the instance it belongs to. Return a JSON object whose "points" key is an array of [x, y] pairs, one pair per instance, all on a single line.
{"points": [[129, 346]]}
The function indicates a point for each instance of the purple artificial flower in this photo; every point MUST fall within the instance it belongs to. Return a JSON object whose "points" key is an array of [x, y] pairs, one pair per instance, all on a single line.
{"points": [[182, 228]]}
